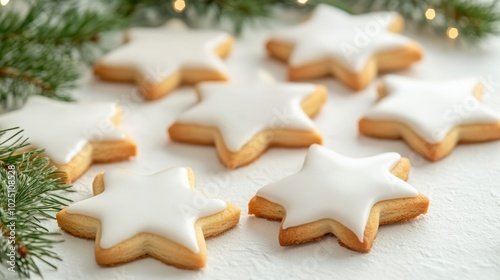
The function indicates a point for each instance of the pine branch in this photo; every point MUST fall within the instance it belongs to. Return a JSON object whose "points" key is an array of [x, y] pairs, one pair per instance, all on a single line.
{"points": [[28, 68], [238, 12], [62, 23], [30, 194], [43, 47], [474, 20]]}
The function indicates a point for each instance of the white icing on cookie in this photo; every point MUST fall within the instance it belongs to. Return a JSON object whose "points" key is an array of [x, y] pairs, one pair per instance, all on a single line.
{"points": [[334, 34], [431, 108], [332, 186], [61, 128], [162, 203], [241, 110], [159, 52]]}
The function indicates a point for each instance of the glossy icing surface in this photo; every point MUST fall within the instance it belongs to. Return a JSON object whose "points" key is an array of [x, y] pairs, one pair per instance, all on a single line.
{"points": [[332, 186], [334, 34], [62, 128], [162, 203], [241, 110], [432, 108], [159, 52]]}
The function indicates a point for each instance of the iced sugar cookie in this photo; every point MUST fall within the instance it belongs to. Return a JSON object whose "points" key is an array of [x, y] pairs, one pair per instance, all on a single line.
{"points": [[431, 116], [160, 59], [74, 135], [348, 197], [353, 48], [243, 120], [160, 215]]}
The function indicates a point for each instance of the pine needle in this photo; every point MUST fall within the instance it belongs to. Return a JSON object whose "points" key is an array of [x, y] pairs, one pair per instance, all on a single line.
{"points": [[30, 193]]}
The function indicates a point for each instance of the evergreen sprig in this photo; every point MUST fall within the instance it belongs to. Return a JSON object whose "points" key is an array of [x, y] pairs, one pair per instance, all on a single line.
{"points": [[28, 69], [474, 20], [237, 12], [31, 192], [43, 45]]}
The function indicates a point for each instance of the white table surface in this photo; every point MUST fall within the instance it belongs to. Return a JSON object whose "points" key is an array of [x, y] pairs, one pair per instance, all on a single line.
{"points": [[457, 239]]}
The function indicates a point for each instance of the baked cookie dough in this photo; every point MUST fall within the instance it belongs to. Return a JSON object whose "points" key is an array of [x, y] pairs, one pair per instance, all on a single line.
{"points": [[161, 59], [348, 197], [160, 215], [431, 116], [74, 135], [353, 48], [243, 120]]}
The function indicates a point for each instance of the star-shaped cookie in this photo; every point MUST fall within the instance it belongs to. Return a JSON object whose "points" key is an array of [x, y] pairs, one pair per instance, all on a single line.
{"points": [[161, 59], [160, 215], [348, 197], [352, 48], [431, 116], [243, 120], [74, 135]]}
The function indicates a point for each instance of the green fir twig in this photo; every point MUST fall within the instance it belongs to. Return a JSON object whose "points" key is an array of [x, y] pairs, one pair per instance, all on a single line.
{"points": [[43, 46], [31, 192], [474, 20]]}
